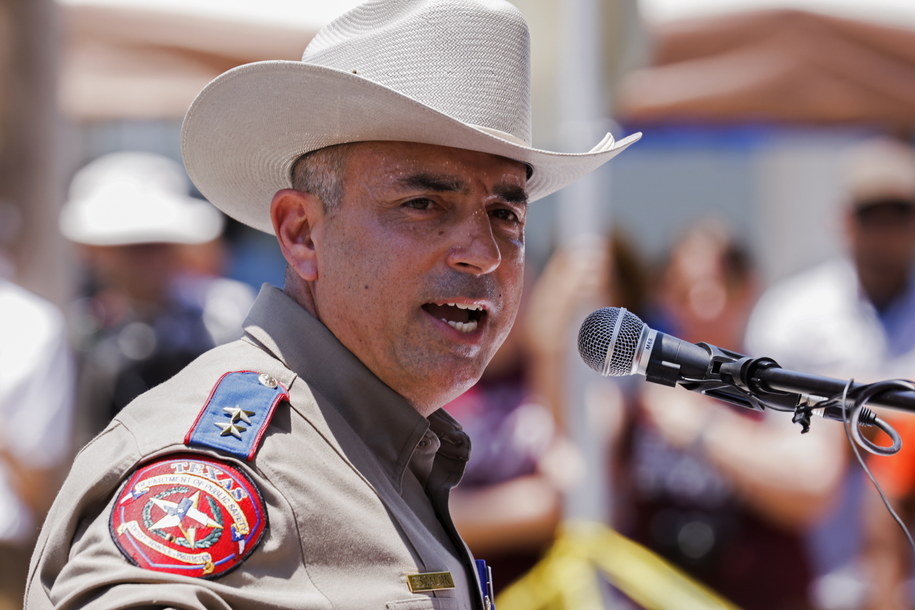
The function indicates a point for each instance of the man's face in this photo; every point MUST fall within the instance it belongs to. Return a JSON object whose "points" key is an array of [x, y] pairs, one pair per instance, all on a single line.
{"points": [[883, 237], [141, 272], [419, 268]]}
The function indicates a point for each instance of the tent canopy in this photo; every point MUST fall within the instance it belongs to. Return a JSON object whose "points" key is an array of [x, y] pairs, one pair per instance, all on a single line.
{"points": [[127, 62], [775, 66]]}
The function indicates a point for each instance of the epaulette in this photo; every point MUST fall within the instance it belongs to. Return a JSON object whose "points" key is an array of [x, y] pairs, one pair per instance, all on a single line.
{"points": [[237, 413]]}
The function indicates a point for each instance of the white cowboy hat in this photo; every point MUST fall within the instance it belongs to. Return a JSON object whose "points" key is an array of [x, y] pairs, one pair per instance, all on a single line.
{"points": [[129, 198], [447, 72], [879, 168]]}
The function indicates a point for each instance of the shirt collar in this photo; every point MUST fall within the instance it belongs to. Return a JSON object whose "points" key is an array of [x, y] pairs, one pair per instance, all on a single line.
{"points": [[383, 419]]}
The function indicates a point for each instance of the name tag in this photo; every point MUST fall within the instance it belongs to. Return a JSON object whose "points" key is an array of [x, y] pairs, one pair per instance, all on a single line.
{"points": [[430, 581]]}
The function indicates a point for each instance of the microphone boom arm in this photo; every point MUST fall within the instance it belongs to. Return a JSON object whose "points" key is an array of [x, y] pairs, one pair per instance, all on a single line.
{"points": [[760, 383]]}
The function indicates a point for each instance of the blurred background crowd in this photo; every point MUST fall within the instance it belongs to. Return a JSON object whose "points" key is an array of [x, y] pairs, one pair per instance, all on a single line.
{"points": [[769, 210]]}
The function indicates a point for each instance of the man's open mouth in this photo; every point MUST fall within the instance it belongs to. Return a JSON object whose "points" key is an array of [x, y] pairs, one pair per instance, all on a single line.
{"points": [[463, 318]]}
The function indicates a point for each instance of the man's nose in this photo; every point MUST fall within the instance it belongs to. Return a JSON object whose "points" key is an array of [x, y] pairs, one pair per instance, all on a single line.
{"points": [[475, 249]]}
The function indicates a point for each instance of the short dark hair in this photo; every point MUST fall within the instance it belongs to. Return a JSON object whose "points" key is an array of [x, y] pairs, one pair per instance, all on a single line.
{"points": [[320, 172]]}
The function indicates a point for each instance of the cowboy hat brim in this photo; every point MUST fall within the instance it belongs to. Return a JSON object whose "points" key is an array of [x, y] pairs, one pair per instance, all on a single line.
{"points": [[247, 127]]}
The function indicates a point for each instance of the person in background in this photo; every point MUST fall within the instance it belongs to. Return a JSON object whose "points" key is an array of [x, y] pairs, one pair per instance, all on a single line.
{"points": [[36, 407], [852, 316], [721, 491], [153, 299], [585, 275]]}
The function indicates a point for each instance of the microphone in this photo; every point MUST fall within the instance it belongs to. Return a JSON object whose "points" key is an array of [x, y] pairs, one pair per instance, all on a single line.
{"points": [[615, 342]]}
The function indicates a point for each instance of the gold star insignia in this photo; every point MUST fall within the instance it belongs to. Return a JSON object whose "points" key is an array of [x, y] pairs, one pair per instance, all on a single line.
{"points": [[236, 413], [230, 428]]}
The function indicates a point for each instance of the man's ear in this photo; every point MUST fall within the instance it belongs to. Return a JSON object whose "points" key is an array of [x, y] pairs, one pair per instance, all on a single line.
{"points": [[295, 215]]}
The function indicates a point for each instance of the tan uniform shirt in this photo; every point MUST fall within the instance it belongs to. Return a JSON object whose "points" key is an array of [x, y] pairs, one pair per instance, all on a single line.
{"points": [[355, 484]]}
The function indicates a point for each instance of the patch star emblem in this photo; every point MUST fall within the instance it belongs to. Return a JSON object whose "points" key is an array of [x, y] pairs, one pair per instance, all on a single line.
{"points": [[177, 514]]}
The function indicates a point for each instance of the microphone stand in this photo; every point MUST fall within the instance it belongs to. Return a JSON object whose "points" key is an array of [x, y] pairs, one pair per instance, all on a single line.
{"points": [[760, 383]]}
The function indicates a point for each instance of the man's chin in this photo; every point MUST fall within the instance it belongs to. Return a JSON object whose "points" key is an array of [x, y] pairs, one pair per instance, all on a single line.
{"points": [[446, 392]]}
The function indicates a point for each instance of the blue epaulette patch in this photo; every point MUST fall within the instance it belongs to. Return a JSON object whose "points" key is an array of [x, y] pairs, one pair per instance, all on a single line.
{"points": [[237, 413]]}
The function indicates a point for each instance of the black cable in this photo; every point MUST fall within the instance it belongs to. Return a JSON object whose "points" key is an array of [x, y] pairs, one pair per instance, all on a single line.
{"points": [[862, 397], [853, 434]]}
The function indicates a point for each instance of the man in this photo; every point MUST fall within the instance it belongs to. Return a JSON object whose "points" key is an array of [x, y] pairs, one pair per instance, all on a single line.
{"points": [[308, 465], [851, 317]]}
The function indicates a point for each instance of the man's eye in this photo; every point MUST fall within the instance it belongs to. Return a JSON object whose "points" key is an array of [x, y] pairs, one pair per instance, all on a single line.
{"points": [[506, 214], [419, 204]]}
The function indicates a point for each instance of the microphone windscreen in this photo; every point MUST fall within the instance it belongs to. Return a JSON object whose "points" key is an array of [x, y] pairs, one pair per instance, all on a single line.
{"points": [[613, 332]]}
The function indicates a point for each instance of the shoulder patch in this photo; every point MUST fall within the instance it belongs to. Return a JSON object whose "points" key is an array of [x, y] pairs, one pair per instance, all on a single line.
{"points": [[237, 413], [188, 514]]}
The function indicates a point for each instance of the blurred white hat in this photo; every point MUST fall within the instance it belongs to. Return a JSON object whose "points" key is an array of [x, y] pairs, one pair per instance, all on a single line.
{"points": [[134, 198], [880, 169]]}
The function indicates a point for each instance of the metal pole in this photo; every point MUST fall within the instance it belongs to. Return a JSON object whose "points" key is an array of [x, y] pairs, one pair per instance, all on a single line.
{"points": [[578, 218], [30, 189]]}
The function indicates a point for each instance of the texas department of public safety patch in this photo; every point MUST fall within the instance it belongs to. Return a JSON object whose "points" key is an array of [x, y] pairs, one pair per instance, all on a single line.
{"points": [[188, 514]]}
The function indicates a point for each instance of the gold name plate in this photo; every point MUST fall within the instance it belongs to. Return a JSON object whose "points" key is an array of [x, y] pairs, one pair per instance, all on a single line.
{"points": [[430, 581]]}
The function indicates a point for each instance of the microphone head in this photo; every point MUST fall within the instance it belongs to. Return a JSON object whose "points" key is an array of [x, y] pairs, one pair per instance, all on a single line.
{"points": [[608, 340]]}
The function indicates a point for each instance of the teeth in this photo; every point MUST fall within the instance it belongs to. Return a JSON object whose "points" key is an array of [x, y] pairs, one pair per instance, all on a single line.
{"points": [[460, 306], [464, 327]]}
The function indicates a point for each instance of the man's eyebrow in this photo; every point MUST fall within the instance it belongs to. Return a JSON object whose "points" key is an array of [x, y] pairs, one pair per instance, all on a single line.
{"points": [[511, 193], [440, 183], [444, 183]]}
